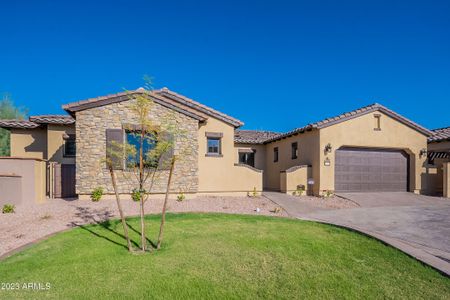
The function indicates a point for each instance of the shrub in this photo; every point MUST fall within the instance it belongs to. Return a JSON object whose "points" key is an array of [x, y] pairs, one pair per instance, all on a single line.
{"points": [[136, 194], [253, 193], [300, 190], [97, 194], [8, 209], [181, 197]]}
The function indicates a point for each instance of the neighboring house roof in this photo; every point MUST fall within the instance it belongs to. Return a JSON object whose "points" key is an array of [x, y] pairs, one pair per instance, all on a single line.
{"points": [[36, 121], [351, 115], [253, 136], [53, 119], [18, 124], [440, 135], [165, 97]]}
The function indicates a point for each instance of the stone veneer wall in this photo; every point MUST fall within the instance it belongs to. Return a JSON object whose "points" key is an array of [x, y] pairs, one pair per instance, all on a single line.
{"points": [[91, 125]]}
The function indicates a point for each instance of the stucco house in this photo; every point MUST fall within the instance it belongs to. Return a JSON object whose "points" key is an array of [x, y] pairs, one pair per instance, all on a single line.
{"points": [[369, 149]]}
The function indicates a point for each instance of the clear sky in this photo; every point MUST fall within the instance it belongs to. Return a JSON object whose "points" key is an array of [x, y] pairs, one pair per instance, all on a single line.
{"points": [[275, 65]]}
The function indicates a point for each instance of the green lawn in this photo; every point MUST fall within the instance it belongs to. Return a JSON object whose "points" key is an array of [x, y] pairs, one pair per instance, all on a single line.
{"points": [[221, 256]]}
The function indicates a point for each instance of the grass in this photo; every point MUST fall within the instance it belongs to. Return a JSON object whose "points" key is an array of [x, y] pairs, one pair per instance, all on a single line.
{"points": [[221, 256]]}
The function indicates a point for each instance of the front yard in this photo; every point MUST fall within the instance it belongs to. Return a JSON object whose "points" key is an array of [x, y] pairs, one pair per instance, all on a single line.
{"points": [[221, 256]]}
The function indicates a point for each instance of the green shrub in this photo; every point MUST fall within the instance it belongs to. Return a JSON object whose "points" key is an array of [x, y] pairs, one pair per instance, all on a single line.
{"points": [[136, 195], [181, 197], [8, 209], [97, 194]]}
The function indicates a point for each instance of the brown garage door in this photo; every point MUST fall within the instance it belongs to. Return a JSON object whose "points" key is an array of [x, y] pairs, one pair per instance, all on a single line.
{"points": [[371, 170]]}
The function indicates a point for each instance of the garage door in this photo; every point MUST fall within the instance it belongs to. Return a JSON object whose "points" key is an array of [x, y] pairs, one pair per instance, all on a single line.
{"points": [[369, 170]]}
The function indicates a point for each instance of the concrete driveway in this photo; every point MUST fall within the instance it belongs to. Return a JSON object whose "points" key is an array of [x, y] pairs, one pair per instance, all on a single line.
{"points": [[416, 224]]}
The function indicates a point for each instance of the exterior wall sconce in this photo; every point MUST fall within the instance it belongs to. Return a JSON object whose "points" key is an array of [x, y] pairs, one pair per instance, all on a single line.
{"points": [[423, 152], [328, 148], [327, 162]]}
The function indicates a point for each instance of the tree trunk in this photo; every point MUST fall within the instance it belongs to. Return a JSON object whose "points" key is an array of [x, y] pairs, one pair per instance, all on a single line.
{"points": [[141, 189], [163, 214], [119, 206]]}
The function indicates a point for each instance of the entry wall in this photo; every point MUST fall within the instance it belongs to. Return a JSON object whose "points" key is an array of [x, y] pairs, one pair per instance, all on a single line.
{"points": [[293, 177], [308, 154], [359, 132], [32, 173]]}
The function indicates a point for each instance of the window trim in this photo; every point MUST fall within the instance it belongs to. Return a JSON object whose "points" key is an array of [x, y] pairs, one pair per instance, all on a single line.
{"points": [[65, 143], [294, 154], [275, 154]]}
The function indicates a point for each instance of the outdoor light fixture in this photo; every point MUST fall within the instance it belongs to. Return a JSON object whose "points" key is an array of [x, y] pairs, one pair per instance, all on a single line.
{"points": [[328, 148], [423, 152], [327, 162]]}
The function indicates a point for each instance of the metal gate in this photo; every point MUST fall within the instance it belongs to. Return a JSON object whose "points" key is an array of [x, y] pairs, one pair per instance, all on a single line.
{"points": [[63, 180], [371, 170]]}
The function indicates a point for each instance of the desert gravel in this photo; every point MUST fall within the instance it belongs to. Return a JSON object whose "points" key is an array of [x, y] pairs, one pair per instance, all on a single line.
{"points": [[33, 222]]}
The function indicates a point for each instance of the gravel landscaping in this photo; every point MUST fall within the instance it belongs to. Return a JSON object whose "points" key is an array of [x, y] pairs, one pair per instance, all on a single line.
{"points": [[32, 222]]}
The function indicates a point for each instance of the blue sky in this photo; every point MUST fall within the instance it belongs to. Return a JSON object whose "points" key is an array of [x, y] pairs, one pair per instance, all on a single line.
{"points": [[275, 65]]}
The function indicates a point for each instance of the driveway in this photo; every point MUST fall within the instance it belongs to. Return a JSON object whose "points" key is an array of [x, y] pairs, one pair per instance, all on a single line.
{"points": [[416, 224]]}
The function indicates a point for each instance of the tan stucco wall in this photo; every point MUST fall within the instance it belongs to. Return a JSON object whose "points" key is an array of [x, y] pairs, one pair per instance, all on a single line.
{"points": [[32, 174], [30, 143], [292, 178], [219, 174], [359, 132], [446, 175], [55, 143], [308, 153]]}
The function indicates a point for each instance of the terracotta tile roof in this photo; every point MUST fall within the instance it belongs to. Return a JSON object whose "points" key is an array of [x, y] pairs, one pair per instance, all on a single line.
{"points": [[353, 114], [53, 119], [253, 136], [19, 124], [164, 97], [440, 135]]}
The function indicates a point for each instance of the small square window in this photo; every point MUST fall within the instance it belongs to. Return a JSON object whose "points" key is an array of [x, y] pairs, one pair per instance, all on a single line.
{"points": [[275, 154], [294, 149], [69, 146], [214, 146]]}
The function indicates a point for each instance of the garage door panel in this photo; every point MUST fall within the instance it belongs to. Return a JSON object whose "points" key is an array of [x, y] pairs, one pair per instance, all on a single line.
{"points": [[359, 170]]}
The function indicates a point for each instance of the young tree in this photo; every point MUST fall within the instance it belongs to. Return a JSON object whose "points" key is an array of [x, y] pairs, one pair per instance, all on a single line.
{"points": [[163, 213], [8, 110], [147, 151], [109, 164]]}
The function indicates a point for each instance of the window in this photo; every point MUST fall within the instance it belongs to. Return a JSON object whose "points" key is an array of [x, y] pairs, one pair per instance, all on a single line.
{"points": [[133, 138], [213, 143], [294, 149], [69, 146], [214, 146], [247, 158], [275, 154], [377, 122]]}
